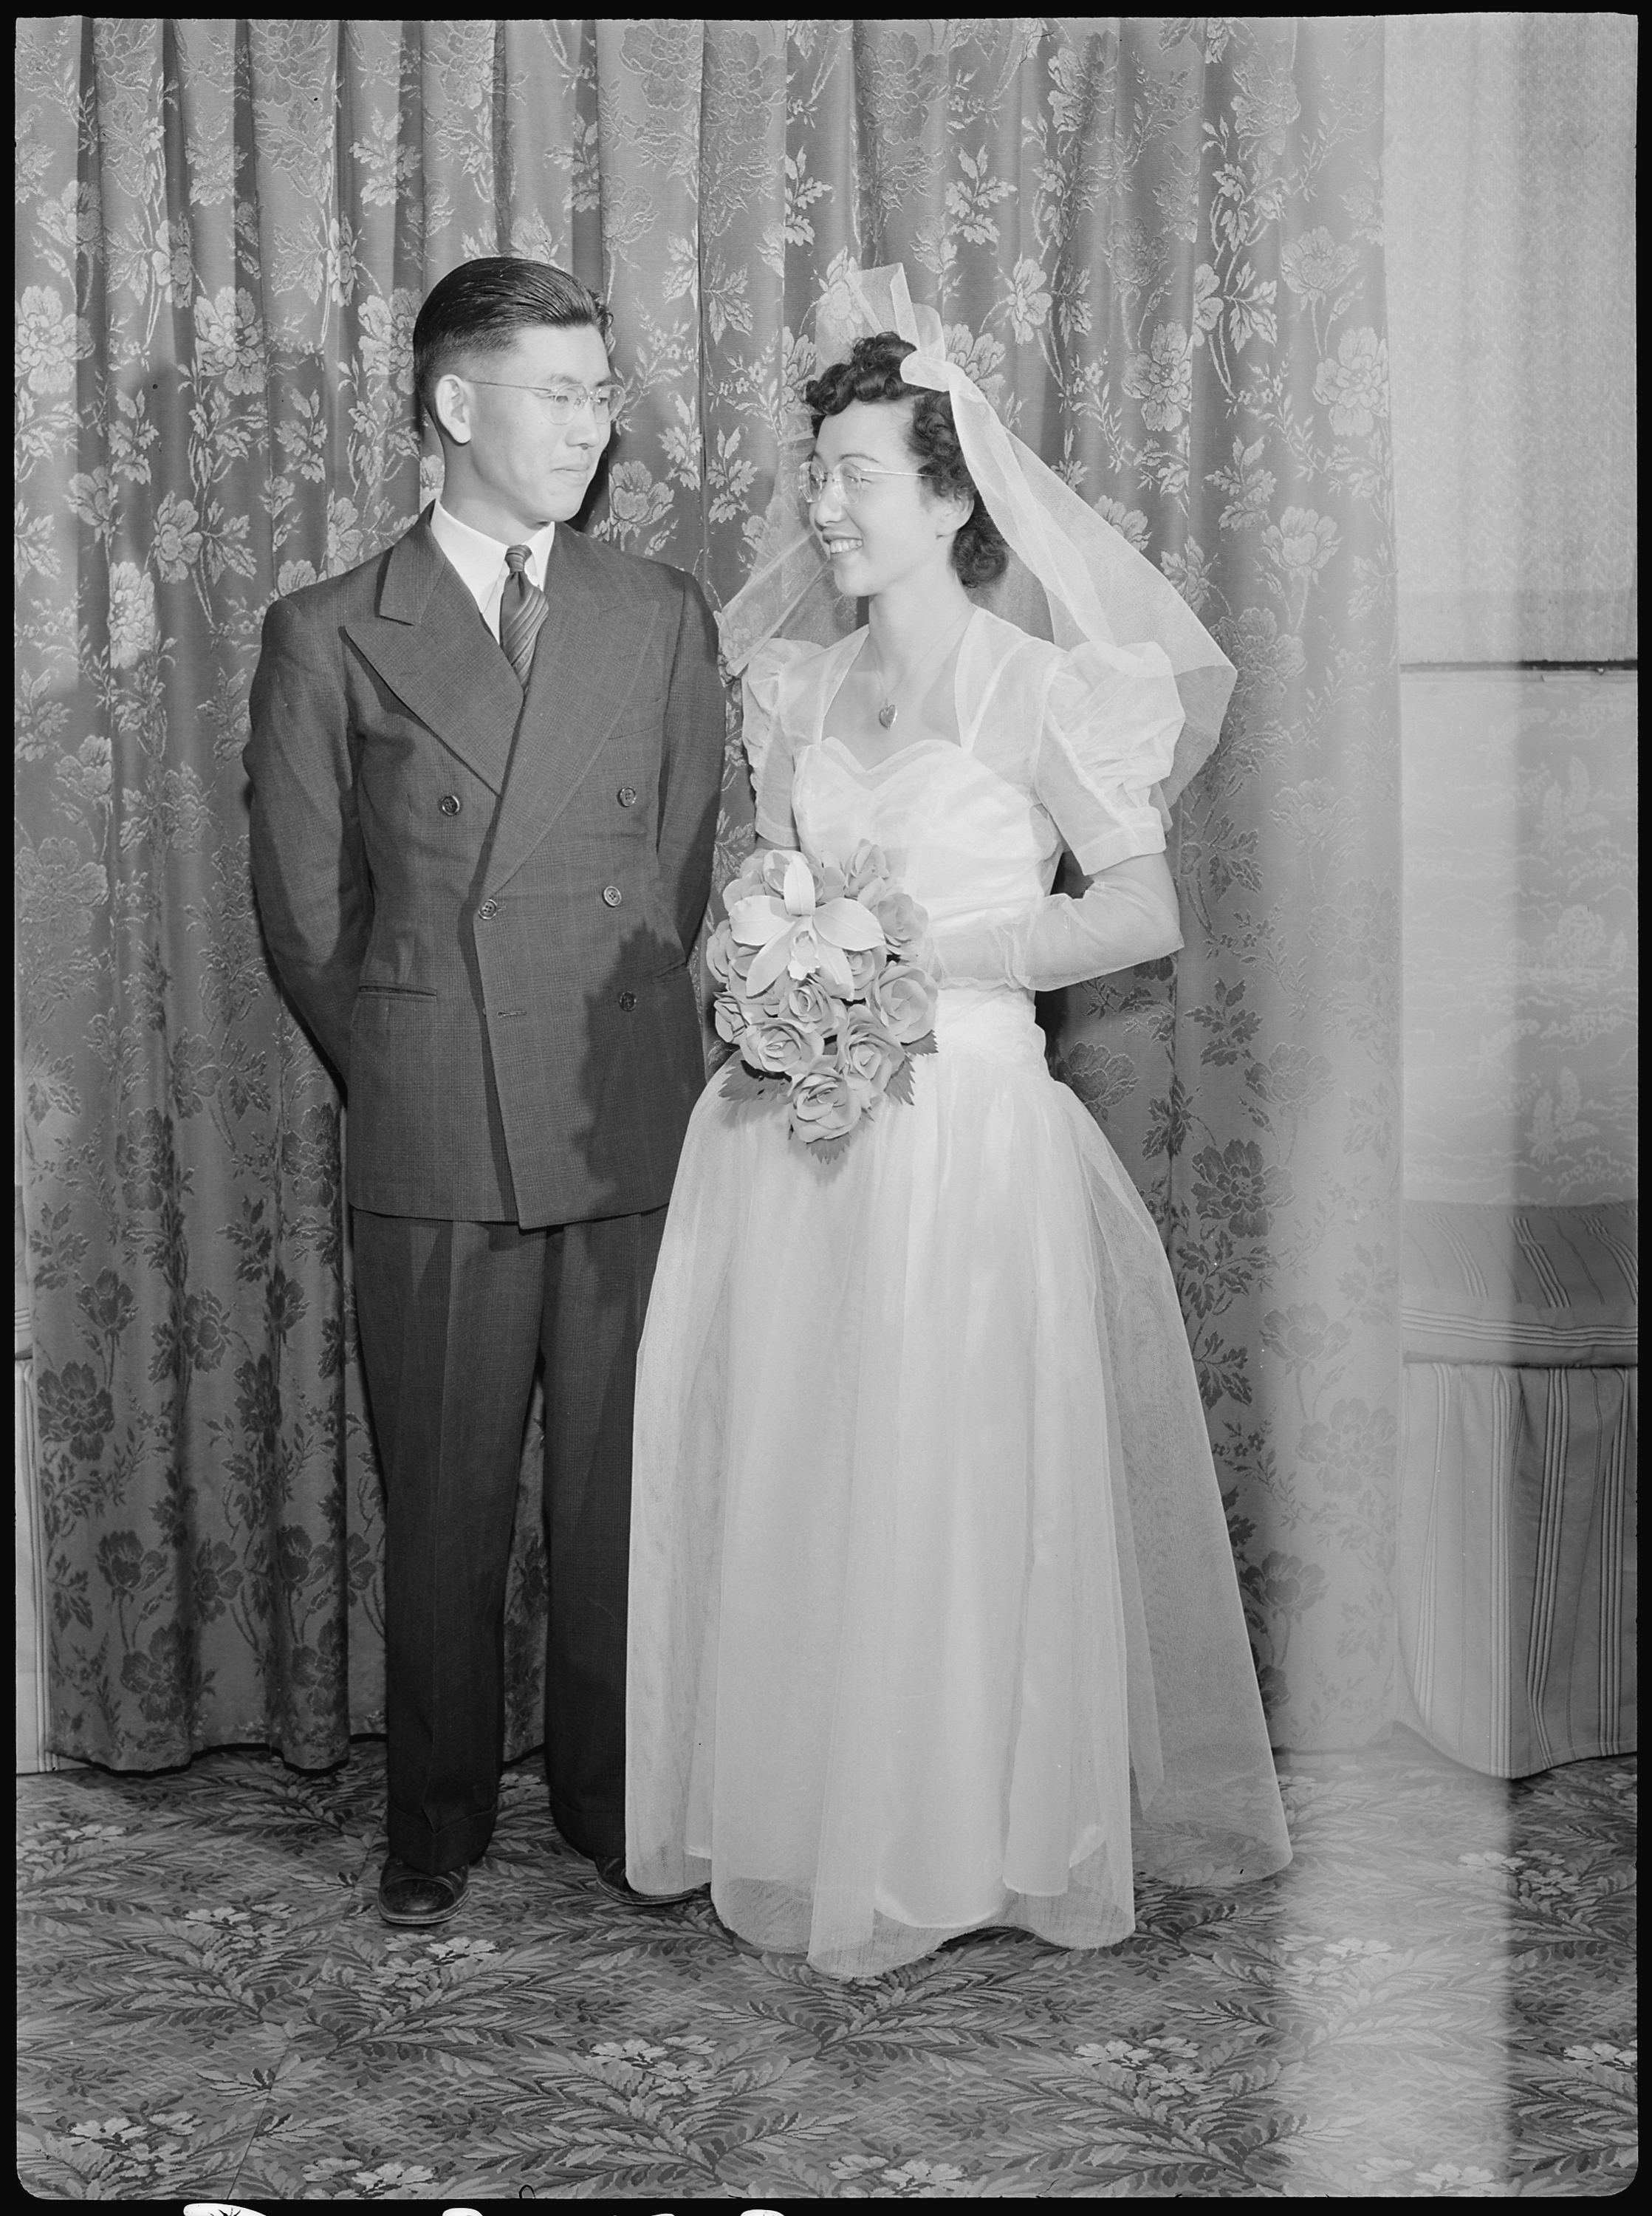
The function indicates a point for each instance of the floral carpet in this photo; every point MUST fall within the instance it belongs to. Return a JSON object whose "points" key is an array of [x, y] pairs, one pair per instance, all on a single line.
{"points": [[1436, 1999]]}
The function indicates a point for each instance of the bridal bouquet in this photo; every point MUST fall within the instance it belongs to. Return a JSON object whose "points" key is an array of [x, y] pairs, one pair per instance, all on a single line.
{"points": [[824, 990]]}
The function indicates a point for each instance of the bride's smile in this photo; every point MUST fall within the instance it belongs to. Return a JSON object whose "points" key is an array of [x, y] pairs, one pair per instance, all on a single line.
{"points": [[883, 526]]}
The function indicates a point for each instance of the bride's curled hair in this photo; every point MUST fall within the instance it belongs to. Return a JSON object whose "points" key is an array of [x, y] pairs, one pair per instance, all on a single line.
{"points": [[872, 373]]}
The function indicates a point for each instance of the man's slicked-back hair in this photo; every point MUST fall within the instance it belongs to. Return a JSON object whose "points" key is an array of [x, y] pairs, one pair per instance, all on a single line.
{"points": [[478, 309]]}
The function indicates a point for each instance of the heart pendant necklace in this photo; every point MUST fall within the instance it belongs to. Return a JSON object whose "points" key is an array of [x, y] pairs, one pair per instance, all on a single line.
{"points": [[888, 711]]}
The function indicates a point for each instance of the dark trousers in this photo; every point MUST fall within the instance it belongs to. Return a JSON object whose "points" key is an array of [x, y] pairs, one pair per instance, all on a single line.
{"points": [[452, 1319]]}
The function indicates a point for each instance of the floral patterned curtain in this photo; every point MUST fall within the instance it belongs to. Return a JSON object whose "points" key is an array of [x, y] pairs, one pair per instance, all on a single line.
{"points": [[1158, 245]]}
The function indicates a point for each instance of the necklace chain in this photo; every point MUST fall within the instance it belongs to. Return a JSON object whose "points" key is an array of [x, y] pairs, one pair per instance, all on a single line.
{"points": [[888, 711]]}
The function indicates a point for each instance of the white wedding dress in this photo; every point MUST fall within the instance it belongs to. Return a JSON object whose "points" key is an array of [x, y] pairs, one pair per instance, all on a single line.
{"points": [[933, 1616]]}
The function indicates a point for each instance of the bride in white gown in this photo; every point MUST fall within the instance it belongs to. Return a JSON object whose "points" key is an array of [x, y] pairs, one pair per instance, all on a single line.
{"points": [[933, 1619]]}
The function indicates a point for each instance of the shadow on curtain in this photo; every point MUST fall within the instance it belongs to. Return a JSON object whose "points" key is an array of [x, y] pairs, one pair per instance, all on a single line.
{"points": [[1158, 247]]}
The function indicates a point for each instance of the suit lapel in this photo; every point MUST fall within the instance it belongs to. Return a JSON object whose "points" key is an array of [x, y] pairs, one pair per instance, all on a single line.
{"points": [[590, 651], [428, 642]]}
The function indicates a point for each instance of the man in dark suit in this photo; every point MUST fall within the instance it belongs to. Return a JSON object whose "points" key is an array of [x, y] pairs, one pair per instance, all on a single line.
{"points": [[485, 770]]}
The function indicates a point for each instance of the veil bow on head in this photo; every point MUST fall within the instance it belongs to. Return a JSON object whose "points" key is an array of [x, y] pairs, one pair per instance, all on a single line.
{"points": [[1071, 575]]}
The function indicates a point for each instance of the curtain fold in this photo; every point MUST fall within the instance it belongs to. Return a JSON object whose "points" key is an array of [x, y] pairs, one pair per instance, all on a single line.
{"points": [[1157, 243]]}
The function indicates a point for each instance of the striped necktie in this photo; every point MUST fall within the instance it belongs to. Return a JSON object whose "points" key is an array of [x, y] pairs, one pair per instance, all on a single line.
{"points": [[522, 609]]}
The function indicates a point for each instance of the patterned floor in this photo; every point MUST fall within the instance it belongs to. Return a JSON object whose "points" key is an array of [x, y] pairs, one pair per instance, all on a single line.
{"points": [[1436, 1999]]}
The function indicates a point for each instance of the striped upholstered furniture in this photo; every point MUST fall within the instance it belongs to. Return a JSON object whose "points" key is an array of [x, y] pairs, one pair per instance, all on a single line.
{"points": [[1516, 1569]]}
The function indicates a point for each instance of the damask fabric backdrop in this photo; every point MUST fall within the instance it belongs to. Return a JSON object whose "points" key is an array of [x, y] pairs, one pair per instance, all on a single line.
{"points": [[1158, 246]]}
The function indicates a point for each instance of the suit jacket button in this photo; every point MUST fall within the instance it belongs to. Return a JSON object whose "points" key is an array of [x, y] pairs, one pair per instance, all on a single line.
{"points": [[450, 803], [612, 895], [487, 911], [628, 1001], [628, 795]]}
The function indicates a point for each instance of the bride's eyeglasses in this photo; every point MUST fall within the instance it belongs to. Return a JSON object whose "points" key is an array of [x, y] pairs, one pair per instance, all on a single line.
{"points": [[564, 402], [851, 478]]}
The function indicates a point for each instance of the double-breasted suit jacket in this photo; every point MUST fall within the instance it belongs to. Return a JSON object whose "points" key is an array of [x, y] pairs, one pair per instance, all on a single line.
{"points": [[482, 903]]}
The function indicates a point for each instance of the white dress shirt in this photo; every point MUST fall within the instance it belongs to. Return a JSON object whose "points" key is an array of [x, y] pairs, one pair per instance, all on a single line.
{"points": [[480, 560]]}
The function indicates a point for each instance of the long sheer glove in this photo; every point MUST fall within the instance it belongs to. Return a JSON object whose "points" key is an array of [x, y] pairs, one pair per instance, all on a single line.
{"points": [[1059, 940]]}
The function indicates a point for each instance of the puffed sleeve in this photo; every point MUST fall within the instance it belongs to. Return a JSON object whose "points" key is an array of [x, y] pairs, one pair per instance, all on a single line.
{"points": [[1111, 721], [765, 736], [1106, 737]]}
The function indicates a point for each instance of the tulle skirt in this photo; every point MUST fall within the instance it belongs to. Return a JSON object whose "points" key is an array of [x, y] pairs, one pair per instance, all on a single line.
{"points": [[933, 1616]]}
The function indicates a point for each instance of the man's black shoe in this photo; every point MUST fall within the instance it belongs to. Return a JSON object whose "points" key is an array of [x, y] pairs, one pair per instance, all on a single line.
{"points": [[611, 1875], [418, 1900]]}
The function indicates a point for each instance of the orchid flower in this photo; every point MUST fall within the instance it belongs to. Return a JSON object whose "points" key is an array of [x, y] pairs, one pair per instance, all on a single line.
{"points": [[793, 934]]}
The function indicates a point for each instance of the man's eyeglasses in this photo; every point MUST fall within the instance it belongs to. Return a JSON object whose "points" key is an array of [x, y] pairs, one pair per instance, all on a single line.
{"points": [[851, 479], [564, 402]]}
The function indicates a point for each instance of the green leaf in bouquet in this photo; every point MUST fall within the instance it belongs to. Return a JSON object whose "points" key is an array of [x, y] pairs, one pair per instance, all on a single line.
{"points": [[925, 1045], [900, 1086], [827, 1150], [744, 1083]]}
